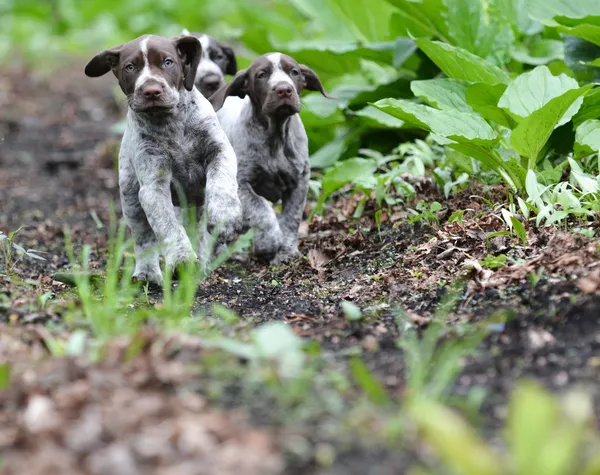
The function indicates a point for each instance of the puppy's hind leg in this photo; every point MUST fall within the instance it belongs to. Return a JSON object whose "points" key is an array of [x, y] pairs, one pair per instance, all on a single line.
{"points": [[147, 257]]}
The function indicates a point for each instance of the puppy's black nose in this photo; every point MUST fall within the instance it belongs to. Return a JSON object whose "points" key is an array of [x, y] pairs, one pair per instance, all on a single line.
{"points": [[152, 91], [284, 90], [211, 82]]}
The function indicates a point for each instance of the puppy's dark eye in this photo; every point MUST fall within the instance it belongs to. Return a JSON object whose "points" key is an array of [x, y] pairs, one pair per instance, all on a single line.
{"points": [[294, 72], [130, 68], [167, 63], [217, 56], [261, 75]]}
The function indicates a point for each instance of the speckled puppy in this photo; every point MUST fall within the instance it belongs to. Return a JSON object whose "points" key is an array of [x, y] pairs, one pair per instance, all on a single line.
{"points": [[270, 142], [173, 147]]}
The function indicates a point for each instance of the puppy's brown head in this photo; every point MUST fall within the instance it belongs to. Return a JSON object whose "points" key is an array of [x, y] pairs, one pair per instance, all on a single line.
{"points": [[273, 82], [152, 70]]}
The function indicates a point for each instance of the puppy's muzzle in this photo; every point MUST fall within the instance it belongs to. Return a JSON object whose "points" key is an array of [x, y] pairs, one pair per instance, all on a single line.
{"points": [[211, 83], [283, 99]]}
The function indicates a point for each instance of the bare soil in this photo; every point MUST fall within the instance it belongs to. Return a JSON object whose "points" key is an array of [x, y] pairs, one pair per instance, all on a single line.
{"points": [[153, 413]]}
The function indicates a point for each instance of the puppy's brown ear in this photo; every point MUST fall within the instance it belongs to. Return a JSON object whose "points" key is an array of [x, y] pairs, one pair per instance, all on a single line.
{"points": [[103, 62], [227, 50], [237, 87], [312, 81], [190, 51]]}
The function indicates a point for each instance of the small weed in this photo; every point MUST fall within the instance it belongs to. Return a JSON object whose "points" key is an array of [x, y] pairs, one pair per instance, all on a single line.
{"points": [[12, 253]]}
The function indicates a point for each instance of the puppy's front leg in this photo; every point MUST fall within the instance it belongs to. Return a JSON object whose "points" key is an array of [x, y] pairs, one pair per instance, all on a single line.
{"points": [[259, 215], [155, 198], [291, 216], [147, 264], [222, 201]]}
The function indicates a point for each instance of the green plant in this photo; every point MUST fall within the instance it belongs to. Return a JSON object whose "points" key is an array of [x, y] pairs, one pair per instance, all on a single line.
{"points": [[543, 435], [8, 249], [434, 359]]}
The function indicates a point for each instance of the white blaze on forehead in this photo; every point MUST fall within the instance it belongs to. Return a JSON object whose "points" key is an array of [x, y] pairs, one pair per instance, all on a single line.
{"points": [[146, 72], [207, 66], [278, 75]]}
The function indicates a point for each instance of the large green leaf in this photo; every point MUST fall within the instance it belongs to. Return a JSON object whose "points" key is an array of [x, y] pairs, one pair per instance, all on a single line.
{"points": [[469, 27], [419, 18], [534, 89], [447, 94], [590, 109], [578, 18], [455, 125], [459, 63], [483, 98], [532, 133], [550, 11], [369, 19], [377, 119], [587, 137]]}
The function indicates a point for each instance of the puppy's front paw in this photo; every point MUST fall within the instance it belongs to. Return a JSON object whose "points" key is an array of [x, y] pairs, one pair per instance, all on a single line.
{"points": [[181, 253], [285, 255], [226, 214], [154, 278], [267, 243]]}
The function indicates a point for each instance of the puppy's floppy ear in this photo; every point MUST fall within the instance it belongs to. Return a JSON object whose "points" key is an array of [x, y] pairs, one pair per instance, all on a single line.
{"points": [[190, 50], [312, 81], [237, 87], [103, 62], [227, 50]]}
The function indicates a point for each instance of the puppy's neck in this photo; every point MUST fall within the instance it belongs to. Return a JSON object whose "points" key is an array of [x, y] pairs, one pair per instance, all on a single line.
{"points": [[275, 128]]}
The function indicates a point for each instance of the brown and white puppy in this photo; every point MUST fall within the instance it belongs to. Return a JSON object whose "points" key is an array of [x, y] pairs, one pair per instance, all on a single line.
{"points": [[218, 59], [173, 152], [259, 113]]}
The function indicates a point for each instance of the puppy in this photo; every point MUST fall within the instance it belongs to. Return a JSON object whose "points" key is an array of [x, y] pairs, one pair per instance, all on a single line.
{"points": [[267, 134], [173, 147], [218, 59]]}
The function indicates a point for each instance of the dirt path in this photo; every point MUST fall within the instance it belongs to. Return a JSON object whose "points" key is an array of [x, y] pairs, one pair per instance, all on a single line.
{"points": [[57, 168]]}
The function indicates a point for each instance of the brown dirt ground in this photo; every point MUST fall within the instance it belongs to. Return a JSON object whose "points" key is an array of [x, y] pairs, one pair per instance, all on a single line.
{"points": [[129, 416]]}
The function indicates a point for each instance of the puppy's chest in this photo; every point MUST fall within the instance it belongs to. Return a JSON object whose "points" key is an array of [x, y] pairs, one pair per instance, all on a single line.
{"points": [[277, 174]]}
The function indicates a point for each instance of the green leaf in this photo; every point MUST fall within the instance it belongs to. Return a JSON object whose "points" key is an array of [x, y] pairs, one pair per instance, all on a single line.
{"points": [[587, 138], [511, 172], [540, 51], [5, 371], [455, 443], [470, 27], [355, 170], [519, 229], [332, 151], [277, 342], [459, 63], [531, 135], [534, 89], [445, 94], [351, 311], [455, 125], [532, 417], [419, 18], [368, 382], [368, 19], [377, 119], [590, 109], [483, 98]]}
